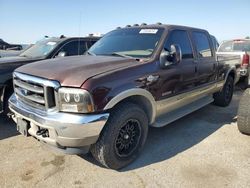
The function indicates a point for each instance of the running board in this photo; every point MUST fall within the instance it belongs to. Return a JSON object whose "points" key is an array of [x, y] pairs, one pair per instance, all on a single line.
{"points": [[179, 113]]}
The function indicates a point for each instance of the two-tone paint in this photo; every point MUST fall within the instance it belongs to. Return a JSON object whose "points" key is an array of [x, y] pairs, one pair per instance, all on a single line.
{"points": [[111, 80]]}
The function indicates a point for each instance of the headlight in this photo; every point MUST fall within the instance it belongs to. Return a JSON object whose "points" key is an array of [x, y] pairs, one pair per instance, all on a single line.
{"points": [[75, 100]]}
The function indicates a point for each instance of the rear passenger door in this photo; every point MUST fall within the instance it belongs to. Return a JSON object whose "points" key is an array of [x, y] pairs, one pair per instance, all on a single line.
{"points": [[187, 66], [206, 63]]}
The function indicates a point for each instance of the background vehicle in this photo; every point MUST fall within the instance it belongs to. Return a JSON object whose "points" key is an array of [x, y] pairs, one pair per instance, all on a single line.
{"points": [[134, 77], [243, 119], [240, 47], [4, 45], [215, 42], [11, 53], [44, 49]]}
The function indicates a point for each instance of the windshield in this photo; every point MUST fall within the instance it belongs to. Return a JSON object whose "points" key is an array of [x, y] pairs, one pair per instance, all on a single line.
{"points": [[40, 49], [132, 42], [235, 46]]}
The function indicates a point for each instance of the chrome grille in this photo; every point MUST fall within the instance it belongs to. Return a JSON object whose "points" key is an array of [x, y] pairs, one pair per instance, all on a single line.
{"points": [[36, 92]]}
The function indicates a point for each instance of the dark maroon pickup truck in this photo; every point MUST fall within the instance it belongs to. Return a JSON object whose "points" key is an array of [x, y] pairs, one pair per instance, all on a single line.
{"points": [[132, 78]]}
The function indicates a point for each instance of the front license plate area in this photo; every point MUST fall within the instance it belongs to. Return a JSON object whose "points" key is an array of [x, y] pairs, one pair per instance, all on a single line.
{"points": [[22, 127]]}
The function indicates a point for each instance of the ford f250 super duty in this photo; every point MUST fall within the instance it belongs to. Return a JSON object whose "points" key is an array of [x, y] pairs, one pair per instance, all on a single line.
{"points": [[132, 78], [44, 49]]}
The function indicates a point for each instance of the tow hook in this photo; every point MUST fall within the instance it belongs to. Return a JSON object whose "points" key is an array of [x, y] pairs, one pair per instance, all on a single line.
{"points": [[43, 132]]}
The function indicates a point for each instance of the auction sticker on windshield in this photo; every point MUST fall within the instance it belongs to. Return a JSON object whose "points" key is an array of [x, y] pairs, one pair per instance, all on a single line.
{"points": [[51, 43], [148, 31]]}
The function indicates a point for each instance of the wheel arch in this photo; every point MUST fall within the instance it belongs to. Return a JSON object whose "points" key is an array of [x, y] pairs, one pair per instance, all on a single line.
{"points": [[232, 72], [137, 96]]}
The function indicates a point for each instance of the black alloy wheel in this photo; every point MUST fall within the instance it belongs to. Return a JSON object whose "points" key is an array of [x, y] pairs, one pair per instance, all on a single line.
{"points": [[128, 138]]}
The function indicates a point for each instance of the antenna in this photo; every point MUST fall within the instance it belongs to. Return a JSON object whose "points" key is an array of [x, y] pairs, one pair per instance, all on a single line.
{"points": [[79, 30]]}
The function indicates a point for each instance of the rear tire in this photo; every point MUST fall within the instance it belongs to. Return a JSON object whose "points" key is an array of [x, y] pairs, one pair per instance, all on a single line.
{"points": [[243, 119], [224, 97], [122, 138]]}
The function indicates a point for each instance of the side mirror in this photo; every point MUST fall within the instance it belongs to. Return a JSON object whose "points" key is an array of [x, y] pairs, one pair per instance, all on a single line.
{"points": [[61, 54], [172, 57], [176, 52]]}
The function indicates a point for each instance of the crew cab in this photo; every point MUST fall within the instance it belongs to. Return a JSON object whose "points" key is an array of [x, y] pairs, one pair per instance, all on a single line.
{"points": [[48, 48], [133, 78], [240, 48]]}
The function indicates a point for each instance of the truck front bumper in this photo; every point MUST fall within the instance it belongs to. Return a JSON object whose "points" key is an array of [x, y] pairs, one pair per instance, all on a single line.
{"points": [[65, 130]]}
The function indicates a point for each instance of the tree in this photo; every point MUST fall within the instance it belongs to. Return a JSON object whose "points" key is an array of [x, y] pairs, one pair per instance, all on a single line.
{"points": [[247, 37]]}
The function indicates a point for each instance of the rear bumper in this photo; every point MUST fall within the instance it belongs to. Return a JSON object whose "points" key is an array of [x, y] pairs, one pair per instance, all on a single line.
{"points": [[244, 71], [65, 130], [244, 74]]}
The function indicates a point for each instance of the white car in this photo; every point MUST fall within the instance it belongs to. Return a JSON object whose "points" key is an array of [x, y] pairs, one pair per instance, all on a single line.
{"points": [[238, 47]]}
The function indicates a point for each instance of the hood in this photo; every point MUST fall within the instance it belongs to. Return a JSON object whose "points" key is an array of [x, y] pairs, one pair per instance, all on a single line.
{"points": [[9, 53], [16, 60], [74, 71], [13, 59]]}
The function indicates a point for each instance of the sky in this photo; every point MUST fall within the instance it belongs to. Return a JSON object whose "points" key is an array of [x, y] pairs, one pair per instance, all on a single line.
{"points": [[26, 21]]}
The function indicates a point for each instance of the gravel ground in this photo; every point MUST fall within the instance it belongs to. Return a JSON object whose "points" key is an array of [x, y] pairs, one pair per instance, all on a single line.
{"points": [[203, 149]]}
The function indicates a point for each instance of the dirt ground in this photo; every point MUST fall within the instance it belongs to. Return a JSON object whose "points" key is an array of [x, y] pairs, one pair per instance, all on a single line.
{"points": [[203, 149]]}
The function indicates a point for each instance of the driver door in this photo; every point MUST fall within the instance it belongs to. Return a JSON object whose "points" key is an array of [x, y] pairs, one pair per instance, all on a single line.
{"points": [[71, 48], [181, 77]]}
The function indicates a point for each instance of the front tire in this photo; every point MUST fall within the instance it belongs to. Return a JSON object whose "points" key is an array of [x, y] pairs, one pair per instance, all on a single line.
{"points": [[122, 138], [243, 119], [224, 97]]}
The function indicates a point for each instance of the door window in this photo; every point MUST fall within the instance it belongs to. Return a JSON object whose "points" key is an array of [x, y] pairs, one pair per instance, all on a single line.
{"points": [[180, 37], [202, 44], [74, 48], [90, 43]]}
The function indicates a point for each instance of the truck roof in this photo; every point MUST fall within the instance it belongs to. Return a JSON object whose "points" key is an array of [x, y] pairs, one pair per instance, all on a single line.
{"points": [[67, 38], [159, 25]]}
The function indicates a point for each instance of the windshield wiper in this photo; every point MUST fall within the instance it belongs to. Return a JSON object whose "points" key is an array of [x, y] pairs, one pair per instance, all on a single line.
{"points": [[120, 55], [90, 53], [23, 55]]}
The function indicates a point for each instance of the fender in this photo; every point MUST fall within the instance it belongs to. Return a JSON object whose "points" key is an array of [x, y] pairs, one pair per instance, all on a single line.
{"points": [[135, 92], [236, 78]]}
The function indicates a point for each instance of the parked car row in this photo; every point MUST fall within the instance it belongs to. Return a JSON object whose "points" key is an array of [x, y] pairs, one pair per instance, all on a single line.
{"points": [[48, 48], [241, 48], [4, 46], [10, 53], [132, 78]]}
